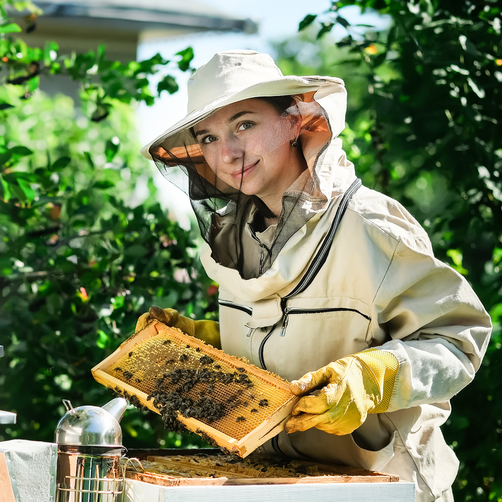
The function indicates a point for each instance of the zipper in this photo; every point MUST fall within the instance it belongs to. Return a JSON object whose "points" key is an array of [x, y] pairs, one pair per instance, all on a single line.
{"points": [[262, 346], [236, 306], [316, 264], [263, 254], [296, 310], [321, 256]]}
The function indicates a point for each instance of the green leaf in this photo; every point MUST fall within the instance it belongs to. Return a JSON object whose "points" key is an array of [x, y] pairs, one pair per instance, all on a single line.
{"points": [[101, 112], [6, 190], [111, 148], [5, 106], [102, 339], [61, 163], [168, 83], [118, 302], [10, 28], [341, 20], [28, 192], [456, 257], [136, 251], [306, 21], [21, 151], [88, 158], [103, 185], [5, 265], [33, 83], [186, 58], [326, 28], [391, 37]]}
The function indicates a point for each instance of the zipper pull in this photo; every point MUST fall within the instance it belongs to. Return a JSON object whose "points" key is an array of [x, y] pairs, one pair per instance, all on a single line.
{"points": [[284, 324]]}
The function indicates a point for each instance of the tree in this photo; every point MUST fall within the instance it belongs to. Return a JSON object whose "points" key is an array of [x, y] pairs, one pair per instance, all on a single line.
{"points": [[427, 131], [78, 264]]}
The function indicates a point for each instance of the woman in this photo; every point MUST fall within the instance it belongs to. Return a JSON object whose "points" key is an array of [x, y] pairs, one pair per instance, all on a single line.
{"points": [[329, 284]]}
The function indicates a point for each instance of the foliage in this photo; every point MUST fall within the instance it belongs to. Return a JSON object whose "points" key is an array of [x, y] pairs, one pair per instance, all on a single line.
{"points": [[78, 263], [427, 131]]}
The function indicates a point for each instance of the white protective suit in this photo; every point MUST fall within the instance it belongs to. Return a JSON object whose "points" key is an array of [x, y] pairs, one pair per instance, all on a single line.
{"points": [[379, 287]]}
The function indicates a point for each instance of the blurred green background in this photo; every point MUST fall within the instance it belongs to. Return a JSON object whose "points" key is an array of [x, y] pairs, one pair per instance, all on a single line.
{"points": [[80, 261]]}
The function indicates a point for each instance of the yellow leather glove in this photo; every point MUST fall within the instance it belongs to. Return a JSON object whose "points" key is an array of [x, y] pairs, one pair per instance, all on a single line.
{"points": [[352, 387], [207, 331]]}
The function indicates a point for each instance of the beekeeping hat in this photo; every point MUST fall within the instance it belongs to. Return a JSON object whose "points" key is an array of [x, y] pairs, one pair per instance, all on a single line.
{"points": [[229, 77], [234, 76]]}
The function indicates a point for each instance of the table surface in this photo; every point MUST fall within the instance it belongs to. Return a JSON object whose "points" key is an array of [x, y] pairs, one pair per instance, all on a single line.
{"points": [[137, 491]]}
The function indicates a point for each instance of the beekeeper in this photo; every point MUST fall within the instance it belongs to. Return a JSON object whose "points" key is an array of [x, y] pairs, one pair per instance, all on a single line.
{"points": [[327, 283]]}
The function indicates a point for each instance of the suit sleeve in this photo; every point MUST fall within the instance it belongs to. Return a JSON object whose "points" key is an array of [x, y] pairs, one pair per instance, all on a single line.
{"points": [[436, 327]]}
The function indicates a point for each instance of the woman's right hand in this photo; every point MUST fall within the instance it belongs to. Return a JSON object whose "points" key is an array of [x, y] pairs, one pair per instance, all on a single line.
{"points": [[207, 331], [169, 317]]}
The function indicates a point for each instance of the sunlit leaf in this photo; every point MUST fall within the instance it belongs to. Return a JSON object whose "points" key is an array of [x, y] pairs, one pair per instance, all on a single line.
{"points": [[28, 192], [10, 28], [6, 190], [33, 83], [102, 340], [118, 302]]}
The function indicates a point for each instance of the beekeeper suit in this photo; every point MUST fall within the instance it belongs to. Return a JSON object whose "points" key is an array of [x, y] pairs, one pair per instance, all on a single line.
{"points": [[342, 294]]}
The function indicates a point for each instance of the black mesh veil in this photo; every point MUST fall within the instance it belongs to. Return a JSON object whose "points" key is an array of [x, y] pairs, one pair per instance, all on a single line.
{"points": [[232, 222]]}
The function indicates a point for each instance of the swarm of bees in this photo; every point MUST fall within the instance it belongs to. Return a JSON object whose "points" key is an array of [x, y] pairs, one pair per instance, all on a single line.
{"points": [[182, 380]]}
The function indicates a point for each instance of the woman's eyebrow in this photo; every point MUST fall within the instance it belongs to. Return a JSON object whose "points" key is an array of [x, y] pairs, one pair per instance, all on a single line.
{"points": [[202, 131], [238, 115]]}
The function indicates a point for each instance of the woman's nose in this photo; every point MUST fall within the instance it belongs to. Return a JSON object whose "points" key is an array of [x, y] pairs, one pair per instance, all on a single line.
{"points": [[231, 150]]}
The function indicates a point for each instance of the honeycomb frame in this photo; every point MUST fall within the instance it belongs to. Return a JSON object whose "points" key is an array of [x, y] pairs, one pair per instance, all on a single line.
{"points": [[239, 438]]}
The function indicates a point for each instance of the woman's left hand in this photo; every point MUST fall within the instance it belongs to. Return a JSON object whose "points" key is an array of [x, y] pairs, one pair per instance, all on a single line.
{"points": [[352, 387]]}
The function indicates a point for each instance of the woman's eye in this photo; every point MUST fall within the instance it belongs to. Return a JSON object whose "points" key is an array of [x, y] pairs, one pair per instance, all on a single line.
{"points": [[245, 125], [207, 139]]}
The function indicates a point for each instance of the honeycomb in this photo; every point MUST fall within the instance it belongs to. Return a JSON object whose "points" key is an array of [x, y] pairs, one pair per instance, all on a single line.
{"points": [[217, 389], [206, 465]]}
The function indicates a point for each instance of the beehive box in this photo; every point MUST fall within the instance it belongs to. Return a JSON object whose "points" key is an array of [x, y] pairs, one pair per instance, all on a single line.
{"points": [[170, 467], [222, 398]]}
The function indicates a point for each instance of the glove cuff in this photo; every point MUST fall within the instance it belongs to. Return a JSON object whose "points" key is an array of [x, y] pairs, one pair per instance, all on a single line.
{"points": [[186, 325], [209, 332], [382, 367]]}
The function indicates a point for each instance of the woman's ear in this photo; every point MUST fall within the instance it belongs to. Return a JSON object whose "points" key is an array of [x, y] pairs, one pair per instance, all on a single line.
{"points": [[296, 119]]}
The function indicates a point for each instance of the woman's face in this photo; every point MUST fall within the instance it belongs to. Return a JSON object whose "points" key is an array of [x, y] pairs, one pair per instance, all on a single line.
{"points": [[248, 146]]}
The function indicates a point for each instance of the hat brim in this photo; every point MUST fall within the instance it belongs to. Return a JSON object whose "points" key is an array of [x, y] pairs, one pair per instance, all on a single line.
{"points": [[284, 86]]}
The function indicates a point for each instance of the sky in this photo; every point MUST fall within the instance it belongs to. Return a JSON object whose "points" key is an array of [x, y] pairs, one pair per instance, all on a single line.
{"points": [[277, 20]]}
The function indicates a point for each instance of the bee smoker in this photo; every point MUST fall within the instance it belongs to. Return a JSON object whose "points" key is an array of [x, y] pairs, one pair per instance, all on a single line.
{"points": [[89, 451]]}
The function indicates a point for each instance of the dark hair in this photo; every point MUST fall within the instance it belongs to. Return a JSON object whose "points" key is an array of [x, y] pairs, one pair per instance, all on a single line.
{"points": [[280, 103]]}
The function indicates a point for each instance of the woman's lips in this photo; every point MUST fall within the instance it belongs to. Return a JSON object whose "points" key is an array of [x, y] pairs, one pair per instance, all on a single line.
{"points": [[244, 171]]}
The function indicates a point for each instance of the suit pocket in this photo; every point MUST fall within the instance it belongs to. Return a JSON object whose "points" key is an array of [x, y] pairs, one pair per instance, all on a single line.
{"points": [[374, 460], [311, 337]]}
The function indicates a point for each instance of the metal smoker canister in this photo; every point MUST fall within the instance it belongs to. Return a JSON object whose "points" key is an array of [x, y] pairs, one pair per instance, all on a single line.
{"points": [[89, 442]]}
